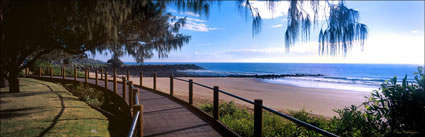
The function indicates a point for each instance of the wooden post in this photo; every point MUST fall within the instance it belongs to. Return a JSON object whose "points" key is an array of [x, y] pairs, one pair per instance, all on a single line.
{"points": [[123, 88], [101, 73], [63, 72], [135, 94], [26, 72], [106, 80], [128, 76], [115, 80], [139, 108], [97, 80], [39, 72], [154, 81], [258, 118], [75, 73], [171, 85], [86, 76], [51, 72], [141, 78], [190, 91], [215, 108], [130, 94]]}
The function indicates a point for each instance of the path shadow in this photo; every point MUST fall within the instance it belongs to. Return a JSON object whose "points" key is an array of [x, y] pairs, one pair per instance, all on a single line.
{"points": [[176, 130], [161, 110]]}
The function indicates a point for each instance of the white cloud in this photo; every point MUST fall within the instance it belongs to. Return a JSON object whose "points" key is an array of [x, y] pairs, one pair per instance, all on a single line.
{"points": [[197, 25], [414, 31], [194, 24], [192, 14], [280, 8], [184, 13], [277, 25]]}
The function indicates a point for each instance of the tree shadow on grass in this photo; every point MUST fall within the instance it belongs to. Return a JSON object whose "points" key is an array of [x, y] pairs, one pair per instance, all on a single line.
{"points": [[23, 93], [12, 113]]}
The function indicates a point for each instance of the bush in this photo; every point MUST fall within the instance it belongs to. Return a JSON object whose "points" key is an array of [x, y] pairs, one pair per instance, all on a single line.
{"points": [[400, 108], [87, 94], [242, 121], [353, 122], [115, 62]]}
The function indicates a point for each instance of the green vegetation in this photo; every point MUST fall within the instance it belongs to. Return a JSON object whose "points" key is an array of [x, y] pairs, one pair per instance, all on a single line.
{"points": [[35, 69], [87, 94], [36, 108], [107, 102], [241, 121], [393, 110]]}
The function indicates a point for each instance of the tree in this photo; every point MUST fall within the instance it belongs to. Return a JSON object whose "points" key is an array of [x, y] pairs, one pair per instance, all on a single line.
{"points": [[115, 62], [31, 29]]}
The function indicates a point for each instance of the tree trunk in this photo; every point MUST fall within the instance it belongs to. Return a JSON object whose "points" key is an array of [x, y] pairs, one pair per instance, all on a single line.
{"points": [[2, 80], [13, 81]]}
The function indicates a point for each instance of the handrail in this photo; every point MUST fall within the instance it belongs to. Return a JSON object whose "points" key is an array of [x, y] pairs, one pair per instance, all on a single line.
{"points": [[195, 83], [133, 124], [181, 79], [243, 99], [224, 92], [312, 127], [297, 121]]}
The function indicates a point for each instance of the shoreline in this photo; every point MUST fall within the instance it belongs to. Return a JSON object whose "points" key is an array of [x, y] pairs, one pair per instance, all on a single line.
{"points": [[285, 98]]}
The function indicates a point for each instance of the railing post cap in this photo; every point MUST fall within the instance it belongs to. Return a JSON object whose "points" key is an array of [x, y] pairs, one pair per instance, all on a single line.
{"points": [[216, 87]]}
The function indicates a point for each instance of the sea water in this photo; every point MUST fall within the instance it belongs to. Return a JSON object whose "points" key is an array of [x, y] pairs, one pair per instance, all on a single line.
{"points": [[356, 77]]}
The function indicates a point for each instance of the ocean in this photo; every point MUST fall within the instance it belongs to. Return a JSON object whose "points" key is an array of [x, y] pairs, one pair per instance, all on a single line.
{"points": [[356, 77]]}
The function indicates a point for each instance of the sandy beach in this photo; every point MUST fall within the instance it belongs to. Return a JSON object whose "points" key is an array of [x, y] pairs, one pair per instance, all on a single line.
{"points": [[280, 97]]}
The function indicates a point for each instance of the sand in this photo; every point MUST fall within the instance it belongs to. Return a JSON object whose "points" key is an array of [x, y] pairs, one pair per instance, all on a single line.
{"points": [[277, 96]]}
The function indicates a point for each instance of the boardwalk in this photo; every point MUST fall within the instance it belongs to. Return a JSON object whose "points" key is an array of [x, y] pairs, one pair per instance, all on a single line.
{"points": [[162, 116]]}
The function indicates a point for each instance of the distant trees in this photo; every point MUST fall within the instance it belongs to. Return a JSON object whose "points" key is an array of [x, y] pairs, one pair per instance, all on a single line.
{"points": [[115, 62]]}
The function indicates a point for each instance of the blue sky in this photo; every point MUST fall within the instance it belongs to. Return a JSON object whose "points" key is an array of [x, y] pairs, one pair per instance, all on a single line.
{"points": [[396, 36]]}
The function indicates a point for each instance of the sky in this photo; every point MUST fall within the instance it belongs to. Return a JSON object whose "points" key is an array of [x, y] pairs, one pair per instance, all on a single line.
{"points": [[396, 36]]}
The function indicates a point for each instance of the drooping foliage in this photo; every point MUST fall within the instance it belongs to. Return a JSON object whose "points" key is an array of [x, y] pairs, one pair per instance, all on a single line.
{"points": [[340, 28]]}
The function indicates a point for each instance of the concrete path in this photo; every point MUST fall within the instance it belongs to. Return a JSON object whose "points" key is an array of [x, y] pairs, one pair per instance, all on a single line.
{"points": [[162, 116]]}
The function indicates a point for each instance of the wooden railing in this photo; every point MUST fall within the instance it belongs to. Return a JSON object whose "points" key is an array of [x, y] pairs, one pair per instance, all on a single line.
{"points": [[133, 96], [138, 108]]}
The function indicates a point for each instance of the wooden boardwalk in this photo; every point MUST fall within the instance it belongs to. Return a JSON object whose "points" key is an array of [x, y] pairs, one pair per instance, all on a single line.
{"points": [[163, 117]]}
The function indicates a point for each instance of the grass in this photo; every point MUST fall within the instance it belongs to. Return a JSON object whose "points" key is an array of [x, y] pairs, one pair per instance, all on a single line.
{"points": [[37, 110], [241, 120]]}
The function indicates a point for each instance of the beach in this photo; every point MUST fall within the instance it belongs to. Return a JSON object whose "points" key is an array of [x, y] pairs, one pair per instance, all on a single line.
{"points": [[280, 97]]}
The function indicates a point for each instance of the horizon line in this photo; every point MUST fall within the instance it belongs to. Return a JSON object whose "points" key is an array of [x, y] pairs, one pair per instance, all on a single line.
{"points": [[281, 62]]}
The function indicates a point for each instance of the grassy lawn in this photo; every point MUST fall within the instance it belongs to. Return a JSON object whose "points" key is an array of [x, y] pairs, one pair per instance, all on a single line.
{"points": [[44, 108]]}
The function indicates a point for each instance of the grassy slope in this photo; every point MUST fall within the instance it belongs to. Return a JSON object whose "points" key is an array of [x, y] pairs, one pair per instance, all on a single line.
{"points": [[34, 110]]}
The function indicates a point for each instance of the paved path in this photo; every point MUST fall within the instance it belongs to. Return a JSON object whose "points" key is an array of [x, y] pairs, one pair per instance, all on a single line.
{"points": [[162, 116]]}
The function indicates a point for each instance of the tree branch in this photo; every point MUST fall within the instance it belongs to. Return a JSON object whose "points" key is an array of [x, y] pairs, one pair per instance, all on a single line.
{"points": [[34, 59]]}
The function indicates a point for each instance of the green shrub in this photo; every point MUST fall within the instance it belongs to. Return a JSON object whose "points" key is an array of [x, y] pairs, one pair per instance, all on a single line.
{"points": [[353, 122], [242, 121], [400, 108], [87, 94]]}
